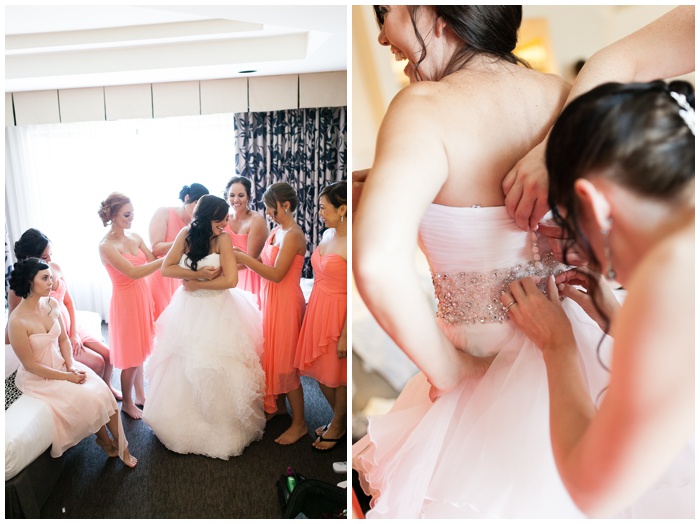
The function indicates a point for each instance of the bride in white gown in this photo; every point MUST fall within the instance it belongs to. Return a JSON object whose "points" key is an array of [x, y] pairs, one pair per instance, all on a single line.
{"points": [[469, 435], [205, 380]]}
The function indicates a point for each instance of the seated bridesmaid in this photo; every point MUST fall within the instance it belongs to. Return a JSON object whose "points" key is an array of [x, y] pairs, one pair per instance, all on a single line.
{"points": [[88, 348], [322, 348], [248, 231], [165, 225], [80, 401]]}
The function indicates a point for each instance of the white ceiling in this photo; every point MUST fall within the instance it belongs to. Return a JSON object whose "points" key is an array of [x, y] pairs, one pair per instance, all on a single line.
{"points": [[59, 47]]}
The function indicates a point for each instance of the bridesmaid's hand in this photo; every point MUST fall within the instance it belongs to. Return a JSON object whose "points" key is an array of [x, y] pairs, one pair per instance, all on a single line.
{"points": [[588, 282], [77, 345], [342, 349], [540, 317], [208, 273], [191, 285], [76, 376]]}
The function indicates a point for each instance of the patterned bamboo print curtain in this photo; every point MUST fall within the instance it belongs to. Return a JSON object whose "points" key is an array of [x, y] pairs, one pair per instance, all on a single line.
{"points": [[307, 148]]}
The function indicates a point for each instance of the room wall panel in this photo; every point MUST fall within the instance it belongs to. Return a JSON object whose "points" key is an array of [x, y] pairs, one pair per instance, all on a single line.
{"points": [[205, 97], [134, 101], [9, 113], [176, 99], [323, 89], [273, 93], [36, 107], [82, 105], [224, 96]]}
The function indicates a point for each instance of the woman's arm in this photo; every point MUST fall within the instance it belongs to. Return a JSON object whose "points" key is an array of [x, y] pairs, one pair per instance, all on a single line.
{"points": [[13, 301], [257, 235], [229, 270], [663, 49], [156, 232], [608, 459], [292, 244], [171, 263], [111, 255], [342, 350], [403, 182], [19, 338]]}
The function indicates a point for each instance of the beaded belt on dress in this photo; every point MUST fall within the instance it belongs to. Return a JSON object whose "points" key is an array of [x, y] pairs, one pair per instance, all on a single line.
{"points": [[205, 292], [475, 297]]}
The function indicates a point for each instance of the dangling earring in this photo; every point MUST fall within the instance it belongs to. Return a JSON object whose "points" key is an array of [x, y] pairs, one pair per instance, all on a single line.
{"points": [[286, 212], [610, 273], [342, 218]]}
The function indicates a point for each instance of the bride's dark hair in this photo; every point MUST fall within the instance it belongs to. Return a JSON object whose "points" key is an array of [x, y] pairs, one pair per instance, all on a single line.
{"points": [[210, 208], [490, 30], [631, 134]]}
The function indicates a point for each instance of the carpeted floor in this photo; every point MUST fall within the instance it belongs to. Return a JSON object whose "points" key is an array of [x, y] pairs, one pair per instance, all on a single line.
{"points": [[169, 485]]}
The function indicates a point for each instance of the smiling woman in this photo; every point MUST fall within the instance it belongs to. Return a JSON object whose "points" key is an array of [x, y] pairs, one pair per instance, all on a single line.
{"points": [[150, 160]]}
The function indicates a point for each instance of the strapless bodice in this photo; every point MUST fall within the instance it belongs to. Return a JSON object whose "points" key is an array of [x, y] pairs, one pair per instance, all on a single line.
{"points": [[211, 260], [474, 254]]}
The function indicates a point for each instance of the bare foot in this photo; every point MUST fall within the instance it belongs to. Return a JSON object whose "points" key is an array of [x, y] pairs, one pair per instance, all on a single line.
{"points": [[129, 460], [329, 439], [292, 434], [132, 411], [320, 431], [117, 394], [108, 447]]}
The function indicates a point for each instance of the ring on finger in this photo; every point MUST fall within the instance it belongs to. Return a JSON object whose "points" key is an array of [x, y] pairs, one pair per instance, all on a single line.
{"points": [[507, 308]]}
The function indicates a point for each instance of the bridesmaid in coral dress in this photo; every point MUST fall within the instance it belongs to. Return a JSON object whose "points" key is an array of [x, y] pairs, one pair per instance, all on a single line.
{"points": [[282, 306], [165, 225], [322, 348], [247, 229], [128, 262]]}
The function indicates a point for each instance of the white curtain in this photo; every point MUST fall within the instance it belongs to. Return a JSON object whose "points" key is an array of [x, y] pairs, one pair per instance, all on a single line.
{"points": [[56, 176]]}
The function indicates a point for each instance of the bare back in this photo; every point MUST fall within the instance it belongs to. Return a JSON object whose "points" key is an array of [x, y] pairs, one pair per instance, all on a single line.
{"points": [[490, 119]]}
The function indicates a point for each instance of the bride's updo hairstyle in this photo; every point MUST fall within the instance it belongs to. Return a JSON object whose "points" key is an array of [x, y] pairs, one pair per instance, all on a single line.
{"points": [[23, 274], [111, 206], [32, 243], [637, 136], [490, 30], [210, 208], [279, 193], [192, 193]]}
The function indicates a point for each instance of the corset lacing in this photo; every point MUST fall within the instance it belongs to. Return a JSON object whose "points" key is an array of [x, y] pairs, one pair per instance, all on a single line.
{"points": [[475, 298]]}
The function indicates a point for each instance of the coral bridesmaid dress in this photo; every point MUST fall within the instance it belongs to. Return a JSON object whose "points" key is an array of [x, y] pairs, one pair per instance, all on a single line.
{"points": [[162, 288], [130, 317], [247, 278], [283, 309], [325, 316]]}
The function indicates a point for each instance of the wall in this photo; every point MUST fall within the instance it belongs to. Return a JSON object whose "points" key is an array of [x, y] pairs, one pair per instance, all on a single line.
{"points": [[203, 97]]}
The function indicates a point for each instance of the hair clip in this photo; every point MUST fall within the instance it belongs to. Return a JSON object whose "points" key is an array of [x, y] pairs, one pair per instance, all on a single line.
{"points": [[686, 112]]}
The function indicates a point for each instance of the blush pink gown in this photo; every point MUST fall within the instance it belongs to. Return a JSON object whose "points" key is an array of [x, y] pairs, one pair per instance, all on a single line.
{"points": [[283, 309], [131, 328], [78, 410], [325, 316]]}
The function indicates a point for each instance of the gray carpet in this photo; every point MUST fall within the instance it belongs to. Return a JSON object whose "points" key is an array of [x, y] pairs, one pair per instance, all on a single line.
{"points": [[169, 485]]}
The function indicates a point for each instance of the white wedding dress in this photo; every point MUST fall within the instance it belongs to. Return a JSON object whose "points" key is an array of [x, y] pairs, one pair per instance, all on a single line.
{"points": [[205, 380], [483, 450]]}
